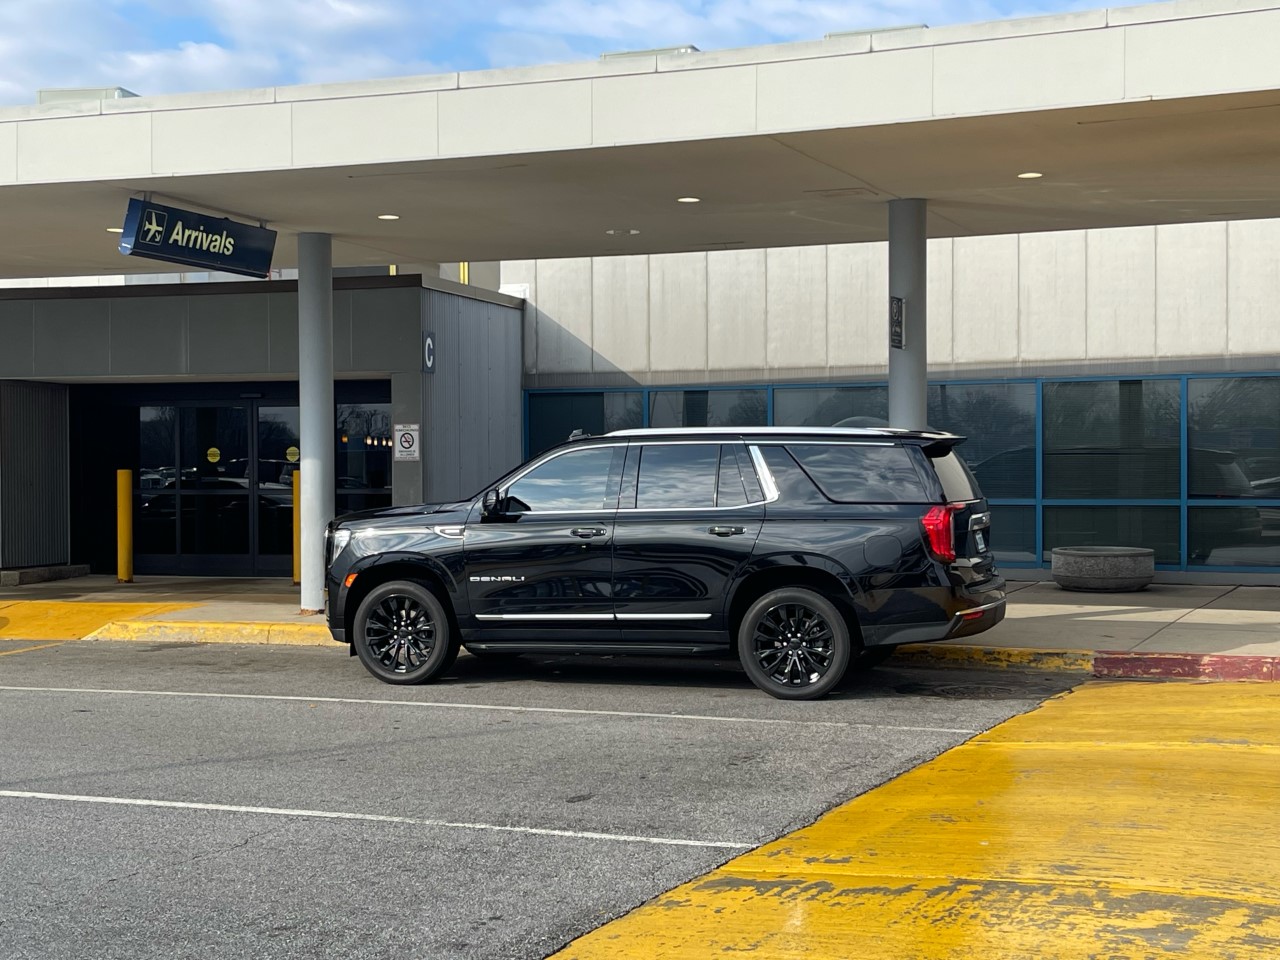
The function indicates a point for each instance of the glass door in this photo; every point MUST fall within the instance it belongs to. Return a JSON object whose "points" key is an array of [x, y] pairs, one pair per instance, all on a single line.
{"points": [[215, 482], [277, 457]]}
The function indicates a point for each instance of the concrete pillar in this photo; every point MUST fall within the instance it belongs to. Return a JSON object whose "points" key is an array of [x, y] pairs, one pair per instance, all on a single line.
{"points": [[315, 396], [908, 278]]}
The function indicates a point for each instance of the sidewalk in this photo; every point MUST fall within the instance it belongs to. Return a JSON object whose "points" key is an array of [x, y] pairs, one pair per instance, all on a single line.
{"points": [[1209, 632]]}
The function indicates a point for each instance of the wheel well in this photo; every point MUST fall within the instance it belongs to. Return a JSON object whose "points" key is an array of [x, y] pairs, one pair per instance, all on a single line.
{"points": [[369, 580], [762, 581]]}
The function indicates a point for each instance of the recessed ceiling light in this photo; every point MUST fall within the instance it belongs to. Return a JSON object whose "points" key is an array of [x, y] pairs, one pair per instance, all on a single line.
{"points": [[622, 231], [1030, 175], [115, 229], [388, 216], [688, 199]]}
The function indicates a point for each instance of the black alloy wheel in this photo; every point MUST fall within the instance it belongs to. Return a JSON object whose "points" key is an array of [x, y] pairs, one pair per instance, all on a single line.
{"points": [[403, 635], [794, 644]]}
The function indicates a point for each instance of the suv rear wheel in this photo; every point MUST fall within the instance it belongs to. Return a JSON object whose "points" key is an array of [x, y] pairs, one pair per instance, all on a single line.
{"points": [[402, 633], [794, 644]]}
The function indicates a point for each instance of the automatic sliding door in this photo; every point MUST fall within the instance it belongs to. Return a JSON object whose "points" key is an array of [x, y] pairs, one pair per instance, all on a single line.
{"points": [[277, 458], [215, 475]]}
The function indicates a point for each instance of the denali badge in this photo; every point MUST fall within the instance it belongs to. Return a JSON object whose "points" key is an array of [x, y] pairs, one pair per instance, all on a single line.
{"points": [[497, 579]]}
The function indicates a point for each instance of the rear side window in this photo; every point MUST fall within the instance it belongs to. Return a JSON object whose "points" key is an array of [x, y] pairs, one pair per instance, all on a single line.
{"points": [[957, 482], [794, 485], [854, 473], [678, 475]]}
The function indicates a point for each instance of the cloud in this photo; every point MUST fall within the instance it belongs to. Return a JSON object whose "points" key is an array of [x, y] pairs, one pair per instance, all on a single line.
{"points": [[163, 46]]}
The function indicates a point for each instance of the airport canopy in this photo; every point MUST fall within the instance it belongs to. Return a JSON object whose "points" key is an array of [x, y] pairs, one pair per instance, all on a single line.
{"points": [[1155, 114]]}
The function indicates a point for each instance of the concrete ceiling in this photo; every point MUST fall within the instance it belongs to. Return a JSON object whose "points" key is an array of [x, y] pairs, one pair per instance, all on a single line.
{"points": [[1137, 162]]}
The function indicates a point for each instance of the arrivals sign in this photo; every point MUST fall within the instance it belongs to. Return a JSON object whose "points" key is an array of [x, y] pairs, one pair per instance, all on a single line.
{"points": [[211, 243]]}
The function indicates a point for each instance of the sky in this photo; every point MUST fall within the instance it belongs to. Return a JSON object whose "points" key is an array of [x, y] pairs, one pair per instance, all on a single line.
{"points": [[175, 46]]}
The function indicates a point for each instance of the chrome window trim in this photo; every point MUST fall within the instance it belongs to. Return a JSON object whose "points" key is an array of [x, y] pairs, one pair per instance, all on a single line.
{"points": [[767, 483], [741, 506]]}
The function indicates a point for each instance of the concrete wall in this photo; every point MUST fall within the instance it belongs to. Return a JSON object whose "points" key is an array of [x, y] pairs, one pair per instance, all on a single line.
{"points": [[1202, 296], [471, 408], [34, 475]]}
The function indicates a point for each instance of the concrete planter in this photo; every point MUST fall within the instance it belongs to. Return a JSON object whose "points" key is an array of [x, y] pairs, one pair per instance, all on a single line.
{"points": [[1103, 569]]}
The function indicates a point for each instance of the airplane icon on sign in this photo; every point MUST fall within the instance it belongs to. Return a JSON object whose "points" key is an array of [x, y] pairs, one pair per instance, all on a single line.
{"points": [[153, 228]]}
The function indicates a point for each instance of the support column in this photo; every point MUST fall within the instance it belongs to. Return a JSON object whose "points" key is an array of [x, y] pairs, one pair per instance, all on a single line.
{"points": [[908, 278], [315, 398]]}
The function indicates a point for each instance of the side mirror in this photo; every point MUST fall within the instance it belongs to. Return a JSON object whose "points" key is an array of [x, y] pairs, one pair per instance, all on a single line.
{"points": [[489, 503]]}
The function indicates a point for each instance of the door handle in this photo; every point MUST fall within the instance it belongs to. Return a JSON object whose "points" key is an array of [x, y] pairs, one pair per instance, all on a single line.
{"points": [[586, 533], [727, 531]]}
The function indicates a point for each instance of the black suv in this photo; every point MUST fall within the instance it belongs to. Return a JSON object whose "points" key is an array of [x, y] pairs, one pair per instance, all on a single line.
{"points": [[808, 550]]}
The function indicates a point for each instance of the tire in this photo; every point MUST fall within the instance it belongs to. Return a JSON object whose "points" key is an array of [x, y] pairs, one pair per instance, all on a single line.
{"points": [[869, 657], [402, 633], [794, 644]]}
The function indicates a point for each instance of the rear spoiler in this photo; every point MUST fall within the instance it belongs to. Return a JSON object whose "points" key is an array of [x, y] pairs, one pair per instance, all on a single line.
{"points": [[939, 445]]}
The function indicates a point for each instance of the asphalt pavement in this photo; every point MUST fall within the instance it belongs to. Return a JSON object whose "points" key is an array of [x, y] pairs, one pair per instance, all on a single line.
{"points": [[222, 801]]}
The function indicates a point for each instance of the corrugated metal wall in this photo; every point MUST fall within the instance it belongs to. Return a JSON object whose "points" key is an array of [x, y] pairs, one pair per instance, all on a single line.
{"points": [[34, 483], [472, 416]]}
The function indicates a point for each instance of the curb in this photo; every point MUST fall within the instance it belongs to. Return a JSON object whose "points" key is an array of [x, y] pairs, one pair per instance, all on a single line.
{"points": [[1105, 664], [1188, 666], [202, 631], [1072, 661]]}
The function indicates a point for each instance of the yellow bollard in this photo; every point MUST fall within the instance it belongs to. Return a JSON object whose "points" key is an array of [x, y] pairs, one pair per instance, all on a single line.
{"points": [[124, 526], [297, 527]]}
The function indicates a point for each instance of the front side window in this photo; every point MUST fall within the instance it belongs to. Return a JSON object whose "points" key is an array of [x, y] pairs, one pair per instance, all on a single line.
{"points": [[573, 481]]}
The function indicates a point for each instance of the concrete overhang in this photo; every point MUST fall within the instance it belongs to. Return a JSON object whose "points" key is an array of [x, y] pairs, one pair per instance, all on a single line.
{"points": [[1157, 114]]}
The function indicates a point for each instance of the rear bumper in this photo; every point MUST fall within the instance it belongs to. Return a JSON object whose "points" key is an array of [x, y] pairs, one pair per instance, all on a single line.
{"points": [[975, 620]]}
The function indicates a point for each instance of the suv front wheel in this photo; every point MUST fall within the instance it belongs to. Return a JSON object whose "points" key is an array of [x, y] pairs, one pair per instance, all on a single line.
{"points": [[794, 644], [402, 633]]}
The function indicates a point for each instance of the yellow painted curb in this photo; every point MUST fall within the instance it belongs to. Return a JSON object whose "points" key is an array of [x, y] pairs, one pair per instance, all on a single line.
{"points": [[201, 631], [1072, 661], [71, 619]]}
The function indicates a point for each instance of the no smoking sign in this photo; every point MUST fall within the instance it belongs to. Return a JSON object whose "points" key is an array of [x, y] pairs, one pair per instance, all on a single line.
{"points": [[406, 441]]}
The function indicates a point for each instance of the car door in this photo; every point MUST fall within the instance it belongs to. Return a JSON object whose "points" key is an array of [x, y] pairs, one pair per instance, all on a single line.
{"points": [[684, 530], [540, 564]]}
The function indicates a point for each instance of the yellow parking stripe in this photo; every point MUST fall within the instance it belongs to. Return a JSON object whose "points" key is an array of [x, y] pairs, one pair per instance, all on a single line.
{"points": [[28, 649], [1120, 820], [70, 619]]}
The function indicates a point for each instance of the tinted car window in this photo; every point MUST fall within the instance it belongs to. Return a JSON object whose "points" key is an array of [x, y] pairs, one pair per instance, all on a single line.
{"points": [[957, 482], [678, 475], [794, 485], [577, 480], [730, 491], [854, 473]]}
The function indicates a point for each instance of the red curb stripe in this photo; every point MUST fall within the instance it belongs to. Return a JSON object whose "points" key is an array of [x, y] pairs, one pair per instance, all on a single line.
{"points": [[1186, 666]]}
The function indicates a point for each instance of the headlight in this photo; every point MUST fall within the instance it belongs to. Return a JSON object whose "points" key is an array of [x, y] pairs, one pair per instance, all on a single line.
{"points": [[341, 538]]}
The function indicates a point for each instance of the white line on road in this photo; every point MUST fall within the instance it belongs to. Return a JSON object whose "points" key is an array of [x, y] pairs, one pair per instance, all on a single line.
{"points": [[441, 705], [374, 818]]}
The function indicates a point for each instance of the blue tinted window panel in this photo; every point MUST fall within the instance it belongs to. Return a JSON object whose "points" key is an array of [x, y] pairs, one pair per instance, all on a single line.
{"points": [[1243, 536], [1114, 526]]}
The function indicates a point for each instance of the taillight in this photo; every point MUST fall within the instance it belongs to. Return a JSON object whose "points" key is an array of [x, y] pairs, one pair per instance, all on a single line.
{"points": [[939, 531]]}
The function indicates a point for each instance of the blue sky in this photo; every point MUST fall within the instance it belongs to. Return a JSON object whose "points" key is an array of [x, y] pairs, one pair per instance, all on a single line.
{"points": [[167, 46]]}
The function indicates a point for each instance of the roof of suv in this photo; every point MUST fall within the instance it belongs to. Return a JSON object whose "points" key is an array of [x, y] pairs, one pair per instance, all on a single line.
{"points": [[844, 433]]}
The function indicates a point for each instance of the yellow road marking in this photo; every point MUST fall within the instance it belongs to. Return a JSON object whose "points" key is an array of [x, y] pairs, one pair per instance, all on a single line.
{"points": [[70, 619], [1126, 820], [38, 646]]}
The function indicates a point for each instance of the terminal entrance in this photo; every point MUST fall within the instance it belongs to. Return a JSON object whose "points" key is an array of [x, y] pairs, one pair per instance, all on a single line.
{"points": [[213, 472]]}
